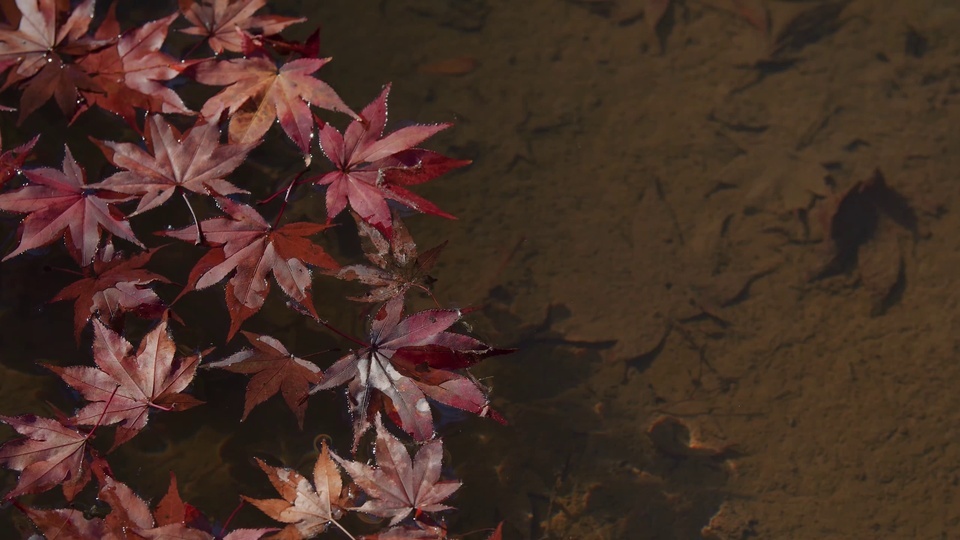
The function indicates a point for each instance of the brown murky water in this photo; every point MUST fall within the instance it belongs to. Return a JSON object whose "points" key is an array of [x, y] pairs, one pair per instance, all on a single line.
{"points": [[643, 221]]}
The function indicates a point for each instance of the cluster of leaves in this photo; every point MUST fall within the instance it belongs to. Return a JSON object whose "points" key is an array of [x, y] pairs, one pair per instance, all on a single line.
{"points": [[406, 365]]}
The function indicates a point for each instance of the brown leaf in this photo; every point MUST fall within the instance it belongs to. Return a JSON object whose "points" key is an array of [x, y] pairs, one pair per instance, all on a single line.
{"points": [[274, 370], [308, 509]]}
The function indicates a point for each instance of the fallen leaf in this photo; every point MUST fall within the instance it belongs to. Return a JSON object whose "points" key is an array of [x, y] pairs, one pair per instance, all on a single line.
{"points": [[283, 93], [35, 48], [408, 360], [12, 160], [850, 219], [399, 486], [364, 159], [397, 266], [131, 72], [274, 370], [250, 248], [111, 288], [308, 509], [194, 160], [222, 22], [124, 387], [61, 203], [51, 454]]}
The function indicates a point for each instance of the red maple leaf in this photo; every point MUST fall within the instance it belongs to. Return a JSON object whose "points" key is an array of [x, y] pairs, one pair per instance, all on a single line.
{"points": [[50, 454], [397, 266], [129, 517], [129, 73], [114, 285], [250, 248], [371, 168], [309, 509], [12, 160], [415, 531], [397, 486], [60, 203], [285, 93], [35, 48], [194, 160], [65, 523], [408, 361], [223, 22], [273, 370], [124, 387]]}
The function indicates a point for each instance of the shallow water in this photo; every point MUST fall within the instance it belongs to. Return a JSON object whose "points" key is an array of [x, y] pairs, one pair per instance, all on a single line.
{"points": [[642, 221]]}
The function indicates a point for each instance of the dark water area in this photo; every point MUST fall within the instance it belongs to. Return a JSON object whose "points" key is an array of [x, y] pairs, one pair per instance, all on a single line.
{"points": [[728, 326]]}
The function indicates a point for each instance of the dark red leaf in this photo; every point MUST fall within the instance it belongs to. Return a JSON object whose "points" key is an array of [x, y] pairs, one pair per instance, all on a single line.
{"points": [[222, 22], [113, 287], [250, 249], [273, 370], [373, 370], [371, 167], [61, 203]]}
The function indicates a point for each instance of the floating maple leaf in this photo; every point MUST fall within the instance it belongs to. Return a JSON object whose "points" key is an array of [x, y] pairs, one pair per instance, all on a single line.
{"points": [[130, 514], [285, 93], [222, 22], [398, 486], [35, 48], [308, 509], [252, 248], [398, 267], [415, 531], [129, 73], [407, 361], [114, 285], [194, 160], [65, 523], [124, 387], [129, 517], [50, 454], [371, 168], [61, 202], [274, 370], [12, 160]]}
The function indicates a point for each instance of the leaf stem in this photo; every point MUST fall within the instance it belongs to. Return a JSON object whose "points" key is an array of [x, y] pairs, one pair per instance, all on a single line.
{"points": [[346, 532], [200, 239], [342, 334], [232, 514], [286, 197]]}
